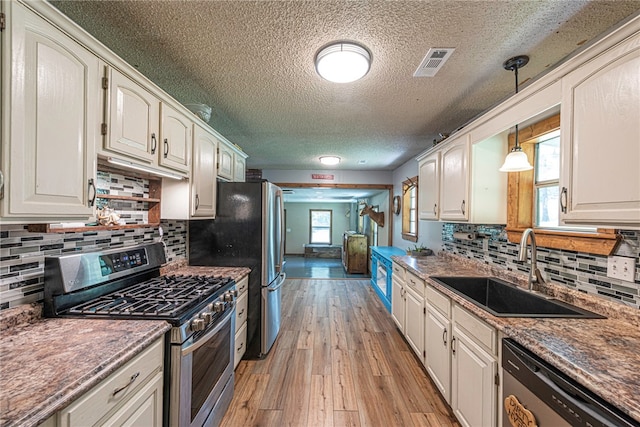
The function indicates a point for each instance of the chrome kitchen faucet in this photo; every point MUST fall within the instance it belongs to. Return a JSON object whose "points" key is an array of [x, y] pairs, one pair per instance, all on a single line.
{"points": [[522, 256]]}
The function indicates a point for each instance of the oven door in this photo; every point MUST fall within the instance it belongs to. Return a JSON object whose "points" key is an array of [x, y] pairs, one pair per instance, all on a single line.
{"points": [[202, 375]]}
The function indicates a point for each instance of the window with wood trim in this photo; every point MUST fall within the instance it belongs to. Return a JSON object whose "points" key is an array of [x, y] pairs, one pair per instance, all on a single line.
{"points": [[410, 209], [532, 196], [320, 222]]}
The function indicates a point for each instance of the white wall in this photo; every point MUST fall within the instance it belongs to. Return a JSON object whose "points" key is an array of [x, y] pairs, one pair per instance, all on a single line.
{"points": [[429, 232], [297, 225]]}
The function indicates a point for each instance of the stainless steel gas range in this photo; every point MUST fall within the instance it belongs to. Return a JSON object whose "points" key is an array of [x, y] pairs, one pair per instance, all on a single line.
{"points": [[126, 283]]}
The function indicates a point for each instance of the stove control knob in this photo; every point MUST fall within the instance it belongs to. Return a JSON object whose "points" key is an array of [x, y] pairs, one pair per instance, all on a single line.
{"points": [[197, 325], [234, 292], [218, 307], [206, 317], [228, 297]]}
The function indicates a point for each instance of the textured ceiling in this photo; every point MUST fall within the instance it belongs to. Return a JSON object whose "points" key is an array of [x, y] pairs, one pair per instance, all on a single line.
{"points": [[253, 63]]}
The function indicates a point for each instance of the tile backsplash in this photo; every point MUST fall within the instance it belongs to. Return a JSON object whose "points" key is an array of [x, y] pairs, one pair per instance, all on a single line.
{"points": [[22, 253], [576, 270]]}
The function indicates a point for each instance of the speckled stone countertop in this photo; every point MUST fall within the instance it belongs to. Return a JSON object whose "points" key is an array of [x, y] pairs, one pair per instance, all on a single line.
{"points": [[601, 354], [46, 364]]}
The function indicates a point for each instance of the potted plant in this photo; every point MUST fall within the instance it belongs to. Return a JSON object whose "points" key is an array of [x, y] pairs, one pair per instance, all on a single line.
{"points": [[419, 250]]}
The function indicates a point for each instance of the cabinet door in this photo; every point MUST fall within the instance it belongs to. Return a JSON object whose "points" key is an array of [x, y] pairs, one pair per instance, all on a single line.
{"points": [[397, 303], [225, 162], [176, 139], [133, 119], [429, 187], [473, 389], [49, 158], [203, 180], [239, 168], [437, 335], [143, 409], [414, 321], [454, 182], [600, 134]]}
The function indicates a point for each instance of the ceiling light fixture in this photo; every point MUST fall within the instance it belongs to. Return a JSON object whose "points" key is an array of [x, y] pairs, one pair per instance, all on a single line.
{"points": [[516, 160], [343, 62], [329, 160]]}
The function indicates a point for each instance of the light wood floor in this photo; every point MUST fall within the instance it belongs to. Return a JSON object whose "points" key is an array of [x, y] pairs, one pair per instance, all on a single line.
{"points": [[339, 361]]}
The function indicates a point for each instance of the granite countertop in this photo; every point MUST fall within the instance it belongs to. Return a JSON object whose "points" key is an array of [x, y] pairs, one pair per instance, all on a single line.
{"points": [[601, 354], [46, 364]]}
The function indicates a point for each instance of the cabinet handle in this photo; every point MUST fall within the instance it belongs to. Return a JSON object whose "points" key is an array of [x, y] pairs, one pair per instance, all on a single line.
{"points": [[462, 206], [444, 337], [166, 147], [240, 348], [131, 381], [154, 143], [563, 200], [435, 209], [1, 185], [241, 313], [453, 345], [92, 199], [197, 202]]}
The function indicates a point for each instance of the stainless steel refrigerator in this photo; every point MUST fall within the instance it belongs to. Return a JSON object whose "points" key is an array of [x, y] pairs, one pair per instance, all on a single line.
{"points": [[248, 231]]}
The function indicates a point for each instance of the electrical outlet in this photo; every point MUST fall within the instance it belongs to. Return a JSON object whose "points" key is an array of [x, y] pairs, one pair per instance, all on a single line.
{"points": [[623, 268]]}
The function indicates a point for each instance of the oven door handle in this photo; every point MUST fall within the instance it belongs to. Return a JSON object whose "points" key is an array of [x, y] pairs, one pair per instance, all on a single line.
{"points": [[205, 338]]}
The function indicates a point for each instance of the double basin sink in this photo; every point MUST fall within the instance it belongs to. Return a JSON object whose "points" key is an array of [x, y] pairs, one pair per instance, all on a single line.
{"points": [[503, 299]]}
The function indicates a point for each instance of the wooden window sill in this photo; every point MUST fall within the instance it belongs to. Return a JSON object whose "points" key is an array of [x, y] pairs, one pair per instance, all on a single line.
{"points": [[602, 242]]}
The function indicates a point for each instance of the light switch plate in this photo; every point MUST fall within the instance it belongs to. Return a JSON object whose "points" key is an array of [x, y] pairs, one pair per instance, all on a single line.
{"points": [[623, 268]]}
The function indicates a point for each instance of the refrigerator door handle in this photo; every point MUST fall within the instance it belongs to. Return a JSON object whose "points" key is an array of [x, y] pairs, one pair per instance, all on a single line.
{"points": [[280, 199], [279, 285]]}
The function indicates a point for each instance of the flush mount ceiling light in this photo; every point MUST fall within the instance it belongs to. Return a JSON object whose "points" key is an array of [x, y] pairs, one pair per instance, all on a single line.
{"points": [[343, 62], [516, 160], [329, 160]]}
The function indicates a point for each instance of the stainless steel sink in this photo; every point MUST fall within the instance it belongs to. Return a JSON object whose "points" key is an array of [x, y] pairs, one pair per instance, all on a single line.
{"points": [[503, 299]]}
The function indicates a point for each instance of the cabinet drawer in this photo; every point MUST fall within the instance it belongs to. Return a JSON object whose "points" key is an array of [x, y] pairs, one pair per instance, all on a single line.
{"points": [[441, 302], [415, 283], [241, 345], [479, 331], [242, 285], [398, 272], [100, 400], [241, 310]]}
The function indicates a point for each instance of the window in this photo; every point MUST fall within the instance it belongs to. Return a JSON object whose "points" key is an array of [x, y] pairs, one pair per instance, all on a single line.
{"points": [[320, 229], [410, 209], [533, 196], [547, 181]]}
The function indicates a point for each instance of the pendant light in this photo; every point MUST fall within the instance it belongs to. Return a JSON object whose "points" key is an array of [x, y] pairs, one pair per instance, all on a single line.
{"points": [[343, 62], [516, 160]]}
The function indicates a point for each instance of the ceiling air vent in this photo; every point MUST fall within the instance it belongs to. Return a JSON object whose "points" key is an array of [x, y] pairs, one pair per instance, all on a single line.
{"points": [[433, 61]]}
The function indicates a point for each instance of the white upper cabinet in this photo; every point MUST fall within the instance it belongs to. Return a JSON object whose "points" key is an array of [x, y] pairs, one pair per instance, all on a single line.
{"points": [[203, 177], [176, 139], [429, 186], [239, 168], [600, 136], [133, 127], [225, 162], [52, 120], [454, 183]]}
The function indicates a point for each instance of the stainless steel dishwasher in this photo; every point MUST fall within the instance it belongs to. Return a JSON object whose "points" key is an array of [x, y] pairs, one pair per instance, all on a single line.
{"points": [[537, 394]]}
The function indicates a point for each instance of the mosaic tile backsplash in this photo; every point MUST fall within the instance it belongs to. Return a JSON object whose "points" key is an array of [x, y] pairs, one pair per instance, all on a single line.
{"points": [[579, 271], [22, 253], [131, 212]]}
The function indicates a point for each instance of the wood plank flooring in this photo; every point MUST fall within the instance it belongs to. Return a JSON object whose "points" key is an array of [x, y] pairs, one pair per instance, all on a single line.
{"points": [[339, 361]]}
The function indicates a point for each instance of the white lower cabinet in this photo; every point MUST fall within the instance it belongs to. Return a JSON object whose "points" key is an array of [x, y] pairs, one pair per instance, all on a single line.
{"points": [[397, 300], [242, 306], [407, 308], [130, 396], [462, 359], [473, 388], [437, 334]]}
